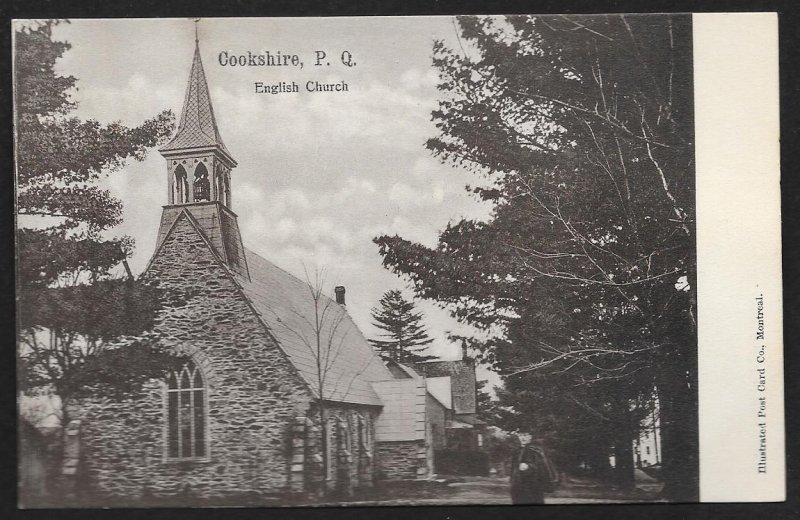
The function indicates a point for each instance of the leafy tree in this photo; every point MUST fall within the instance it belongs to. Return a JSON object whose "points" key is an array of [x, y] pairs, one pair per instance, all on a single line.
{"points": [[581, 131], [75, 316], [405, 338]]}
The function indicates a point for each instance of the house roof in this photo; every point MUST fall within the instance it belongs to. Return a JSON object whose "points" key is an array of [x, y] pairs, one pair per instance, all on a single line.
{"points": [[462, 381], [436, 399], [286, 307], [441, 389], [400, 371], [198, 126]]}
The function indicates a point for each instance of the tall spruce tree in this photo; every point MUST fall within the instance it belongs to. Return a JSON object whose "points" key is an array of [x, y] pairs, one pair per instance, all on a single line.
{"points": [[74, 313], [404, 338]]}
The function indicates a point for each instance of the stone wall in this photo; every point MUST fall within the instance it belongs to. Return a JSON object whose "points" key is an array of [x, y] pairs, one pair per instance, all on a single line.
{"points": [[402, 460], [253, 393], [349, 468]]}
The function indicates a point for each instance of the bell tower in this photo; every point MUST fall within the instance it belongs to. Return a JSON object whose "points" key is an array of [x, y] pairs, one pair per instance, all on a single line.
{"points": [[198, 162], [199, 172]]}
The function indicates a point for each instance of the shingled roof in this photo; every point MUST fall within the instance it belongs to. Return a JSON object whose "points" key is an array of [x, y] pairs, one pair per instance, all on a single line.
{"points": [[285, 306], [462, 380], [198, 127]]}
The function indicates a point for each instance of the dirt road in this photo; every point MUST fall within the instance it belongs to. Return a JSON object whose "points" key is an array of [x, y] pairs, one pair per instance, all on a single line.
{"points": [[495, 491]]}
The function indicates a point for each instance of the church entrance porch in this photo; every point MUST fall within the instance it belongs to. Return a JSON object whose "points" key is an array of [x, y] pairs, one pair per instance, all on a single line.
{"points": [[332, 456]]}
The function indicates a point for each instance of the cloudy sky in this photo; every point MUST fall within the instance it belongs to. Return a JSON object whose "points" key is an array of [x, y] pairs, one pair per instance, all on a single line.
{"points": [[319, 175]]}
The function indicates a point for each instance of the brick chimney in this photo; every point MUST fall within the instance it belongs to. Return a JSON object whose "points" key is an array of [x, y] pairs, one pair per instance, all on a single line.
{"points": [[339, 290]]}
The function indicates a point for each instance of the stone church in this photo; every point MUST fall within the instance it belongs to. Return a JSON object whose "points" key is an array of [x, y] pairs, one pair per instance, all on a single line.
{"points": [[257, 405]]}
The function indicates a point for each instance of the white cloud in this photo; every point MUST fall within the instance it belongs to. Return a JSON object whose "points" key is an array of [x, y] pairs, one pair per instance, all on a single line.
{"points": [[285, 228], [419, 78], [405, 197], [438, 192]]}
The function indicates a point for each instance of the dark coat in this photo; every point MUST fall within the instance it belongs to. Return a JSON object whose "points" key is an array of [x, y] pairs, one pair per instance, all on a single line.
{"points": [[531, 476]]}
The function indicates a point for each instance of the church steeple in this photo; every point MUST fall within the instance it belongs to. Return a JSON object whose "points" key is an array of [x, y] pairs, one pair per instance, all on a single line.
{"points": [[199, 174], [199, 163]]}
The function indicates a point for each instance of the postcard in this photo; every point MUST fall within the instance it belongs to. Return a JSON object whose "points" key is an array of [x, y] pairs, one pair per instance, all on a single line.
{"points": [[528, 259]]}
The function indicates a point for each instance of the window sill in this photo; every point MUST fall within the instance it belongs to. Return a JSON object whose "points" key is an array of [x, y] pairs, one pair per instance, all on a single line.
{"points": [[186, 461]]}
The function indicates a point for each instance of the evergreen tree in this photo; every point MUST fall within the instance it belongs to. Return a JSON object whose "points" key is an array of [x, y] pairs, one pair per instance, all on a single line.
{"points": [[405, 338], [74, 313]]}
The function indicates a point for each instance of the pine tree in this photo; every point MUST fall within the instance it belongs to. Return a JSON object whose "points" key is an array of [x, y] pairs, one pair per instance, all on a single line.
{"points": [[74, 313], [405, 338]]}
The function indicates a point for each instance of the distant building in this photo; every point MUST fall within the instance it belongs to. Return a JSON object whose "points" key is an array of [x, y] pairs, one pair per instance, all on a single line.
{"points": [[444, 418], [453, 384], [647, 445]]}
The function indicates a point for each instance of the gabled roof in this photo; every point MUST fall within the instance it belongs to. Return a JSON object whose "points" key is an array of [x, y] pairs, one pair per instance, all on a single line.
{"points": [[198, 127], [462, 381], [286, 307], [441, 389], [400, 371]]}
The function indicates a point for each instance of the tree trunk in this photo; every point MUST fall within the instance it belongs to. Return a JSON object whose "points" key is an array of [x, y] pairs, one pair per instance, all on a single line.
{"points": [[623, 450], [323, 423], [679, 437], [599, 465], [65, 418], [677, 394]]}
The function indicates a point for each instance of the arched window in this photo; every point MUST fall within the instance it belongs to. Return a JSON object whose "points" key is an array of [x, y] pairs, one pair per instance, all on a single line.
{"points": [[202, 186], [186, 427], [181, 186]]}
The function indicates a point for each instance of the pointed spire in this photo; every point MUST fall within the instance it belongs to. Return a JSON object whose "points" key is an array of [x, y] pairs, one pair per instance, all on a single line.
{"points": [[197, 127]]}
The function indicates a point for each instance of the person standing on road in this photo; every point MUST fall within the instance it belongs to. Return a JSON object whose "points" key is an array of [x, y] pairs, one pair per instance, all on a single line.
{"points": [[531, 475]]}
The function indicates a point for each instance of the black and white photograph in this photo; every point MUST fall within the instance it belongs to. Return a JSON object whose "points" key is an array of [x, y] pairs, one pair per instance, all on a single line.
{"points": [[376, 261]]}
